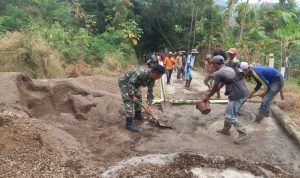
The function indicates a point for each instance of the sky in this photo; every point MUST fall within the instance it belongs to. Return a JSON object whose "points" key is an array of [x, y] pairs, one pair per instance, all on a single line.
{"points": [[271, 1], [256, 1], [223, 2]]}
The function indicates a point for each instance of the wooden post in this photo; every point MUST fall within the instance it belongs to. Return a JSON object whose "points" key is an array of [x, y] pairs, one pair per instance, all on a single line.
{"points": [[271, 60]]}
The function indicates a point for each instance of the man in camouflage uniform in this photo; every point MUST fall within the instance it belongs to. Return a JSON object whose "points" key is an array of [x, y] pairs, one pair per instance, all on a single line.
{"points": [[130, 84]]}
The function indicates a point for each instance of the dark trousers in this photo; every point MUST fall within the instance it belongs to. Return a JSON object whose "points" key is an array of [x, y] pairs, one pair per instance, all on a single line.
{"points": [[179, 72]]}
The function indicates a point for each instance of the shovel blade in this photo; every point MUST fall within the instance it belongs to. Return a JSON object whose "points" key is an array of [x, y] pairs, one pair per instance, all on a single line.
{"points": [[163, 125]]}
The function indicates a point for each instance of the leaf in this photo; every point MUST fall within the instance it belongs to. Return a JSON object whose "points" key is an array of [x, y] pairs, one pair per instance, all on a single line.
{"points": [[134, 41]]}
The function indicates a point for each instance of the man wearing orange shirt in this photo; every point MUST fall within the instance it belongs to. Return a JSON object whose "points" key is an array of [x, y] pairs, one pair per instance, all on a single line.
{"points": [[169, 63]]}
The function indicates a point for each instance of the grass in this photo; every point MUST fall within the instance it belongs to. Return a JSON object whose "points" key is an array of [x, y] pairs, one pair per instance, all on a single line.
{"points": [[291, 104], [31, 54], [114, 65], [20, 52], [292, 85]]}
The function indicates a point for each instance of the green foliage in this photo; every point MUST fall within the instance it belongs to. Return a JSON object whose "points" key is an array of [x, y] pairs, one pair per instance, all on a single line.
{"points": [[80, 45], [14, 19], [131, 31], [90, 30], [112, 41], [26, 56]]}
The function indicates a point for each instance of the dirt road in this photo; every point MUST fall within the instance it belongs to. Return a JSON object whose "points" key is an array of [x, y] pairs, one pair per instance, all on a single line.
{"points": [[177, 90]]}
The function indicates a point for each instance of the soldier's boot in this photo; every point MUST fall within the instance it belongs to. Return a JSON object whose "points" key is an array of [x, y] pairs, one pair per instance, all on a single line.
{"points": [[129, 125], [226, 128], [243, 135], [139, 116]]}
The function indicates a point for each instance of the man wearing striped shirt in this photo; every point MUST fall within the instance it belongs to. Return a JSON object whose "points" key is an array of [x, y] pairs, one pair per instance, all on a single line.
{"points": [[271, 81]]}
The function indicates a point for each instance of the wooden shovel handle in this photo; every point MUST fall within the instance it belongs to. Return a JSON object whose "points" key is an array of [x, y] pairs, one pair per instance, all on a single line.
{"points": [[146, 109]]}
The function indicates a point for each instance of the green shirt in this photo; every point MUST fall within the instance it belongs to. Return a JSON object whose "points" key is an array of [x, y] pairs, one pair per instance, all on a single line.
{"points": [[135, 78]]}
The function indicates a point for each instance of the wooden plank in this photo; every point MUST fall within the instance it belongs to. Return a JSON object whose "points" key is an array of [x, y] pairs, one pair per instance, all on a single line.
{"points": [[219, 101]]}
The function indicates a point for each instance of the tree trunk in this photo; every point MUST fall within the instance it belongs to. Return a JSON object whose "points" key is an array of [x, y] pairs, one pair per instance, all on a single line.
{"points": [[163, 34], [191, 28], [242, 26], [194, 35], [241, 32]]}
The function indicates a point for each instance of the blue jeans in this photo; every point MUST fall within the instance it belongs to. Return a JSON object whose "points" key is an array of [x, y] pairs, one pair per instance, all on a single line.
{"points": [[169, 74], [271, 93], [232, 109]]}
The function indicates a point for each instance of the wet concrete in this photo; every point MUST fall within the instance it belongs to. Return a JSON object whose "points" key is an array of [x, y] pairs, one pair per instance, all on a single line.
{"points": [[177, 90], [193, 132], [228, 173], [196, 133]]}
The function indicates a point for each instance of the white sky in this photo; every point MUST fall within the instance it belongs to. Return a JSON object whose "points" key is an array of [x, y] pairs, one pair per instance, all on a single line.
{"points": [[272, 1], [261, 1]]}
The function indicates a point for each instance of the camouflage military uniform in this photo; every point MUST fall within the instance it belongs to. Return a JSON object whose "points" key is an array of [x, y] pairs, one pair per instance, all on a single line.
{"points": [[130, 84]]}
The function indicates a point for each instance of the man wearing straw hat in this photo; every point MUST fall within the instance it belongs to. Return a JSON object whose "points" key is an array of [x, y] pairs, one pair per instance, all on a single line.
{"points": [[188, 66]]}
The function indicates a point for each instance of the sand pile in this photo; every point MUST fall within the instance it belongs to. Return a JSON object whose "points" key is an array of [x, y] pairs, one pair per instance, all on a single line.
{"points": [[58, 127]]}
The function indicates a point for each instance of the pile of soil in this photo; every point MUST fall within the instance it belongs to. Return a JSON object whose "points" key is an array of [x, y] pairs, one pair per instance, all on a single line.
{"points": [[60, 127], [23, 149], [291, 103], [183, 164]]}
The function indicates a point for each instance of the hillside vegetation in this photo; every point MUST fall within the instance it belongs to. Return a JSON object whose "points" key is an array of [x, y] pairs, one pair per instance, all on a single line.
{"points": [[55, 39], [61, 38]]}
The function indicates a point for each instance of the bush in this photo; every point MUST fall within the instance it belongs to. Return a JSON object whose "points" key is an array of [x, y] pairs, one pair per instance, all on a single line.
{"points": [[15, 19], [55, 34], [22, 52], [79, 45], [79, 69], [114, 64], [111, 42]]}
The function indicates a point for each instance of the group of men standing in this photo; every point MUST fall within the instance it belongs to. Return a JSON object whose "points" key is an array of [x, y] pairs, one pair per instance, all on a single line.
{"points": [[228, 73], [182, 64]]}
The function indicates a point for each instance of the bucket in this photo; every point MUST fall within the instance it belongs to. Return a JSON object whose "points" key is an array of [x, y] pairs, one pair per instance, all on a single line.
{"points": [[203, 107]]}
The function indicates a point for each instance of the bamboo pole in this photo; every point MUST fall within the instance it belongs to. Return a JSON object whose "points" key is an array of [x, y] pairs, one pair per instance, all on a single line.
{"points": [[187, 101]]}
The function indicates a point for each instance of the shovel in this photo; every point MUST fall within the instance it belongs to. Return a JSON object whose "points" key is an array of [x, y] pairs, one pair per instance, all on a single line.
{"points": [[154, 119]]}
